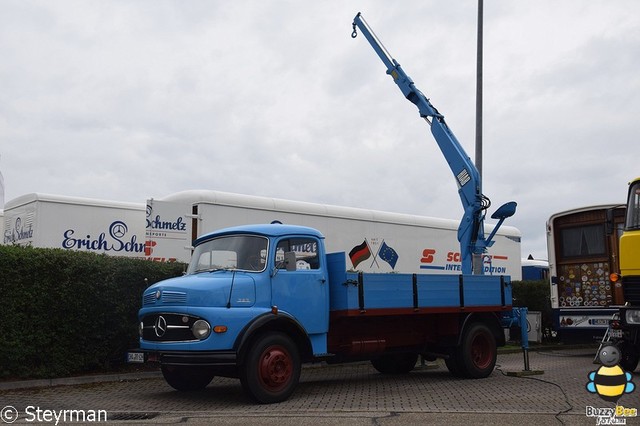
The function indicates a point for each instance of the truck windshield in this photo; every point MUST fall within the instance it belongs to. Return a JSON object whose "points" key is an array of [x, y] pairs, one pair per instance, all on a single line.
{"points": [[235, 252], [633, 207]]}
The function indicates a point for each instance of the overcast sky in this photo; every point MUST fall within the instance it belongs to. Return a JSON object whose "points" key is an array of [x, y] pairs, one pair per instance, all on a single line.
{"points": [[127, 100]]}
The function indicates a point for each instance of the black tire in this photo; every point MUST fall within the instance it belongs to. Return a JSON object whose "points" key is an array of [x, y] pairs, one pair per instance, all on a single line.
{"points": [[271, 368], [629, 356], [395, 363], [478, 352], [187, 378], [453, 364]]}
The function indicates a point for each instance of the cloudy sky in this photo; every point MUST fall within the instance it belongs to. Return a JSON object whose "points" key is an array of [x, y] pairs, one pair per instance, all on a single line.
{"points": [[127, 100]]}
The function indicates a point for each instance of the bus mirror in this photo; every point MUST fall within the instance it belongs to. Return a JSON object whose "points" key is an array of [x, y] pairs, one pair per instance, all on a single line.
{"points": [[609, 222]]}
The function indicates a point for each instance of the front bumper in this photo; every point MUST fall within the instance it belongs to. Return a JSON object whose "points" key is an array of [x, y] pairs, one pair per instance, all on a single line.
{"points": [[195, 358]]}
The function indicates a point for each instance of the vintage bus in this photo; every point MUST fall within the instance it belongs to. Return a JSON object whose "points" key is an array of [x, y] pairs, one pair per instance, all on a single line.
{"points": [[583, 247]]}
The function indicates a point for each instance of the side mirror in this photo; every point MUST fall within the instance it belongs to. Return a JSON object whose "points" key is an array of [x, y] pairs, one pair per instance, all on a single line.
{"points": [[504, 211], [290, 261]]}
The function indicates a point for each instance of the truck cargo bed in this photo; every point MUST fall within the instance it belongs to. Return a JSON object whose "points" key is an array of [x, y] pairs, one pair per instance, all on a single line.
{"points": [[357, 293]]}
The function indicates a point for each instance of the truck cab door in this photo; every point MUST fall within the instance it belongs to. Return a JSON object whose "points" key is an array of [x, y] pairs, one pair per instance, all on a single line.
{"points": [[302, 292]]}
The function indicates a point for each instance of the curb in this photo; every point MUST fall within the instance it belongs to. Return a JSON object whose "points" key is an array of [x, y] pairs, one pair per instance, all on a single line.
{"points": [[79, 380], [83, 380]]}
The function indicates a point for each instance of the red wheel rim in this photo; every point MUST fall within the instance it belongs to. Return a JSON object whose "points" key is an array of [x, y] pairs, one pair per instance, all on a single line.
{"points": [[481, 351], [275, 368]]}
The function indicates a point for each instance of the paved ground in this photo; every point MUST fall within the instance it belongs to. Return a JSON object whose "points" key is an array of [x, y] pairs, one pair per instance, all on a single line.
{"points": [[353, 394]]}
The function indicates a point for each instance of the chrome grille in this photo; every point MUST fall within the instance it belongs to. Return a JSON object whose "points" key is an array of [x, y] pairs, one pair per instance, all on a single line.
{"points": [[167, 327]]}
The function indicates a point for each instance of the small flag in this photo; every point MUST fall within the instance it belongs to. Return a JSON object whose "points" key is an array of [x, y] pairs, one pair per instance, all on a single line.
{"points": [[359, 253], [388, 254]]}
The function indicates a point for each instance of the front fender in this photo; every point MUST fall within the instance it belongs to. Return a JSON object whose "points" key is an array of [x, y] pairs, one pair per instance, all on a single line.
{"points": [[269, 321]]}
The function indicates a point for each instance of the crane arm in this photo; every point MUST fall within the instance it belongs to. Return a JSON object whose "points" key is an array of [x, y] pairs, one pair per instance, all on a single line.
{"points": [[474, 203]]}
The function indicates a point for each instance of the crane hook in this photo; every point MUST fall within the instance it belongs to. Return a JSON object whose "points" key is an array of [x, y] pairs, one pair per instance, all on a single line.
{"points": [[354, 34]]}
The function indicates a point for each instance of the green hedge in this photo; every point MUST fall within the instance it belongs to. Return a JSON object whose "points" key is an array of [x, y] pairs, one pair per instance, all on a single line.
{"points": [[65, 312], [535, 296]]}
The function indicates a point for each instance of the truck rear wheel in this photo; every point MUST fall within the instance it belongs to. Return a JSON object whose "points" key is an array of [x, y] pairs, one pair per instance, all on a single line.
{"points": [[395, 363], [477, 352], [453, 364], [187, 378], [271, 369]]}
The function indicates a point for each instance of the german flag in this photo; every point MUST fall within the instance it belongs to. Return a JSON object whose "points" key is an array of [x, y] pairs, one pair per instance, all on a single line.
{"points": [[359, 254]]}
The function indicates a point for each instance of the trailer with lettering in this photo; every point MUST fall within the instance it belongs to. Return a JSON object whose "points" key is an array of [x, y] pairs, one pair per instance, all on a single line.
{"points": [[75, 223], [367, 237]]}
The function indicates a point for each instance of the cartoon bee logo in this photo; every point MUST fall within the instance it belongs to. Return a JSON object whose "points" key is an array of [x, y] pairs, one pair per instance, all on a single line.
{"points": [[610, 381]]}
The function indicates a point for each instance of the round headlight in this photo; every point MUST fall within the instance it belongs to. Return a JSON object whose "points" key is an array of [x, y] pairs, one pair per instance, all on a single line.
{"points": [[633, 316], [201, 329]]}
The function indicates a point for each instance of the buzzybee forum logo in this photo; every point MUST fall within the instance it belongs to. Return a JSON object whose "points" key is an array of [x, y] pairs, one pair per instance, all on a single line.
{"points": [[610, 382]]}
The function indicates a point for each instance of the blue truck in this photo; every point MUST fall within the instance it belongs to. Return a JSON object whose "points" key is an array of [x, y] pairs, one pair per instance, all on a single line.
{"points": [[258, 301]]}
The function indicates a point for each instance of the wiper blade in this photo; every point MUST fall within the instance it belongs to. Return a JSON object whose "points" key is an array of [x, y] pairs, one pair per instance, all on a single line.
{"points": [[215, 269]]}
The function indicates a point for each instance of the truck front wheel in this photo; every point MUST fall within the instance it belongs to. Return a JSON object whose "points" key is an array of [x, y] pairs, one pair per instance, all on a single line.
{"points": [[271, 368], [187, 378], [478, 352]]}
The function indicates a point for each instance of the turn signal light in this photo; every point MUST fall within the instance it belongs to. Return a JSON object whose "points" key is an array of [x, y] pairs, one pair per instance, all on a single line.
{"points": [[220, 329], [614, 277]]}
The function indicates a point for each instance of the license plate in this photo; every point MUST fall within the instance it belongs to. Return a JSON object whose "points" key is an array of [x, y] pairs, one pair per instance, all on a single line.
{"points": [[135, 357]]}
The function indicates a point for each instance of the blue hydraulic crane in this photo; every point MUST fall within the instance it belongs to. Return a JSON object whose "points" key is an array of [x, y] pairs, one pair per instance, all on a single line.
{"points": [[473, 243]]}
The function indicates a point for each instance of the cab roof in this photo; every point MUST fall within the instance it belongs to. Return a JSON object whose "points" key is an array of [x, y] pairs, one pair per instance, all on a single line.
{"points": [[267, 230]]}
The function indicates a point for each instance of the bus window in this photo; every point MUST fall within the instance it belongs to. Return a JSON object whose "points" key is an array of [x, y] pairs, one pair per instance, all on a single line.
{"points": [[585, 240]]}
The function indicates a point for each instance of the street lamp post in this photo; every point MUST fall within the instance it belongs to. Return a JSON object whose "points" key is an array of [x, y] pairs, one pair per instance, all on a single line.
{"points": [[479, 91]]}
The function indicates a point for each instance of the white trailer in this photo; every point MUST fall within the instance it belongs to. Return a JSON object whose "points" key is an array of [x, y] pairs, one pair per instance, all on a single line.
{"points": [[373, 241], [73, 223]]}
